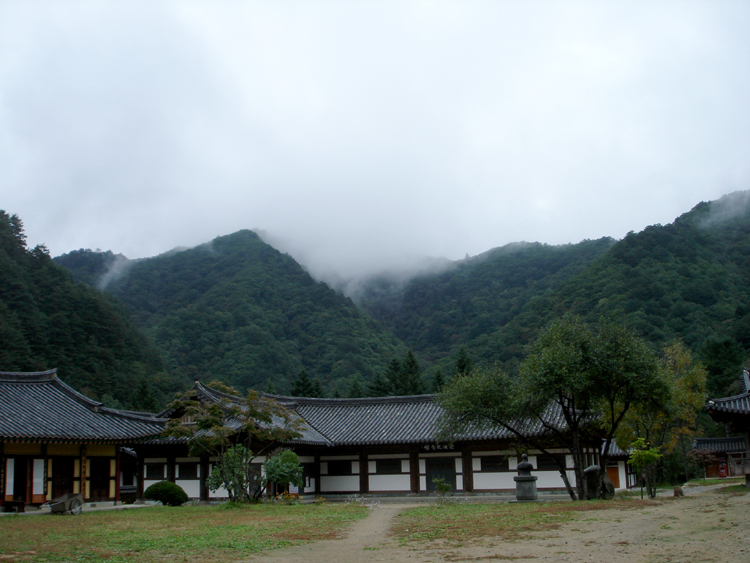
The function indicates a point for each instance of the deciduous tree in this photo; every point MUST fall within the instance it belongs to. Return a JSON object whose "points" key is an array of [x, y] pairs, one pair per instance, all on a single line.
{"points": [[218, 428]]}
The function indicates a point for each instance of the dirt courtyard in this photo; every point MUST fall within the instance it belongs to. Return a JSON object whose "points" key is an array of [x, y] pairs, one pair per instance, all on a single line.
{"points": [[709, 526]]}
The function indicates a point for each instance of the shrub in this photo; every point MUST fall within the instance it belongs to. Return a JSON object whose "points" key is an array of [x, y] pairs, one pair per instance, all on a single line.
{"points": [[167, 492]]}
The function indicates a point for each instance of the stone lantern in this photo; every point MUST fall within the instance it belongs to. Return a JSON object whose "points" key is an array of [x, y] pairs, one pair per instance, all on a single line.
{"points": [[525, 481]]}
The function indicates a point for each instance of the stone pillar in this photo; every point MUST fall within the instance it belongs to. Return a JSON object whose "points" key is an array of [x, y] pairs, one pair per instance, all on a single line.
{"points": [[591, 474], [525, 481]]}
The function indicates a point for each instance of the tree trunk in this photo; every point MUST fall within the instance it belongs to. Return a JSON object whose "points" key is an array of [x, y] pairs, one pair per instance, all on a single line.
{"points": [[684, 458]]}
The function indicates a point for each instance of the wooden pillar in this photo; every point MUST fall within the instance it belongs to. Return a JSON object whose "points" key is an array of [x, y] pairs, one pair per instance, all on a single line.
{"points": [[204, 477], [171, 468], [414, 470], [364, 474], [317, 475], [84, 473], [140, 470], [3, 469], [46, 475], [117, 474], [468, 470]]}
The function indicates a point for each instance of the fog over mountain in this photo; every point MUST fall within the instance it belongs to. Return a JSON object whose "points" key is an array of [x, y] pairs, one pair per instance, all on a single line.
{"points": [[362, 135]]}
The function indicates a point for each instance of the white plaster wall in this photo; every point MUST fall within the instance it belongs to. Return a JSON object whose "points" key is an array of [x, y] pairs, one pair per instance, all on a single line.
{"points": [[148, 483], [192, 487], [405, 466], [339, 483], [490, 481], [551, 479], [372, 467], [459, 465], [37, 487], [221, 492], [422, 482], [545, 480], [476, 463], [10, 474], [390, 483], [309, 485], [459, 482], [622, 471]]}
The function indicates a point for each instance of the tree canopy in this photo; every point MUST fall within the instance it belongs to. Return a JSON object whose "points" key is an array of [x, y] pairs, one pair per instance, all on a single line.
{"points": [[229, 428], [47, 320]]}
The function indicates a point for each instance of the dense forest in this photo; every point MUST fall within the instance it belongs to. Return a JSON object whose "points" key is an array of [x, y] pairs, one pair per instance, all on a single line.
{"points": [[687, 280], [238, 310], [48, 320], [436, 314]]}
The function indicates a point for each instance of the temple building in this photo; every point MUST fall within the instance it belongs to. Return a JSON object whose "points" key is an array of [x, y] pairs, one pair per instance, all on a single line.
{"points": [[735, 413], [53, 440], [384, 445]]}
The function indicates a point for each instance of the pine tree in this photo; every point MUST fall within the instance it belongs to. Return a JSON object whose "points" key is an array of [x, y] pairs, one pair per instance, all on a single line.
{"points": [[464, 364], [438, 381], [302, 386], [379, 387], [355, 389], [410, 380], [392, 377], [317, 389]]}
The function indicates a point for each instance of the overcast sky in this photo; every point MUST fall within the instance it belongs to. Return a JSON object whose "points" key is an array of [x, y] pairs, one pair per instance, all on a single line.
{"points": [[360, 133]]}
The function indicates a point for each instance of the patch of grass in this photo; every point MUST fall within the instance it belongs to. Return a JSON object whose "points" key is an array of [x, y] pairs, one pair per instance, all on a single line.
{"points": [[734, 489], [708, 482], [460, 522], [205, 533]]}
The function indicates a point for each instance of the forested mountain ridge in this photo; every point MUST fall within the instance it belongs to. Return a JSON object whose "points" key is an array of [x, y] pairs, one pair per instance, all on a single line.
{"points": [[48, 320], [435, 314], [238, 310], [687, 280]]}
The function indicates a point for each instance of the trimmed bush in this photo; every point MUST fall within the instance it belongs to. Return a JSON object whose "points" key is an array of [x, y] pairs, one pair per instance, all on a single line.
{"points": [[167, 492]]}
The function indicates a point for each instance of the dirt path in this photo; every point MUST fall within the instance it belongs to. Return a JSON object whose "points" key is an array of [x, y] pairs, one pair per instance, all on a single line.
{"points": [[709, 527], [367, 540]]}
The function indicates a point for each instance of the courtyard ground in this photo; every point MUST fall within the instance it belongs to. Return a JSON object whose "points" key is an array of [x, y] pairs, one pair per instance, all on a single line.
{"points": [[712, 525]]}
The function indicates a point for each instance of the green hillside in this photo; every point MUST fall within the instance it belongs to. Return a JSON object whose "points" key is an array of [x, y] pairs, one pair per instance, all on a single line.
{"points": [[435, 314], [686, 280], [48, 320], [238, 310]]}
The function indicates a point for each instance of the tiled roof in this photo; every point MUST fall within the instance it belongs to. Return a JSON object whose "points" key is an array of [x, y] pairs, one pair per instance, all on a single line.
{"points": [[615, 450], [310, 436], [388, 420], [722, 445], [38, 406], [737, 404]]}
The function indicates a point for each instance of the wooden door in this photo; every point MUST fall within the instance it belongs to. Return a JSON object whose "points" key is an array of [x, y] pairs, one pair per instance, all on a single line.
{"points": [[440, 468], [614, 475], [62, 475]]}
